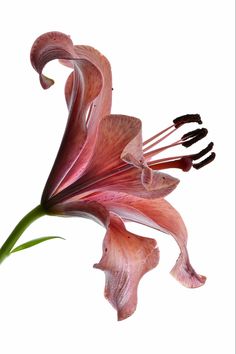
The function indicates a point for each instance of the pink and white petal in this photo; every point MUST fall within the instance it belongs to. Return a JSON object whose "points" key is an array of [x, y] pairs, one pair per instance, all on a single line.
{"points": [[133, 151], [127, 182], [103, 152], [126, 258], [130, 182], [83, 87], [100, 108], [86, 209], [160, 215], [106, 170], [184, 272], [114, 133], [102, 105], [49, 46], [118, 139]]}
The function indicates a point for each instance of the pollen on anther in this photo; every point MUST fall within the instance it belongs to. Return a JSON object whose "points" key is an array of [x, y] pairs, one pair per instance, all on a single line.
{"points": [[202, 152], [194, 136], [187, 118], [205, 162]]}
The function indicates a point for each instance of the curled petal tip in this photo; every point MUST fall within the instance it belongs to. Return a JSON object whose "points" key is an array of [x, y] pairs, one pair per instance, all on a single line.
{"points": [[123, 314], [186, 275], [49, 46], [160, 181], [46, 82]]}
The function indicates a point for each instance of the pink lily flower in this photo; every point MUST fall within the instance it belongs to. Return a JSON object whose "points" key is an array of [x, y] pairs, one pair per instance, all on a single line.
{"points": [[105, 172]]}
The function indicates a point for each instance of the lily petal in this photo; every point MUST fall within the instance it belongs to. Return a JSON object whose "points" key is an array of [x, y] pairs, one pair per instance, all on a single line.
{"points": [[131, 182], [126, 258], [133, 151], [100, 108], [102, 104], [82, 90], [107, 171], [86, 209], [158, 214], [114, 133]]}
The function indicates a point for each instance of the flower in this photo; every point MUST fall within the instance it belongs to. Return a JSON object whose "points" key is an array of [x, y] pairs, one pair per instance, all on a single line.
{"points": [[104, 171]]}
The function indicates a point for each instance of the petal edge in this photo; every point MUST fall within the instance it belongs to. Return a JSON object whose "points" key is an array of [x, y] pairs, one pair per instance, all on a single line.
{"points": [[126, 258]]}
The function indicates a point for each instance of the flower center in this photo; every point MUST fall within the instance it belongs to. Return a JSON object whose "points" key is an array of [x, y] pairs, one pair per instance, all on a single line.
{"points": [[84, 186]]}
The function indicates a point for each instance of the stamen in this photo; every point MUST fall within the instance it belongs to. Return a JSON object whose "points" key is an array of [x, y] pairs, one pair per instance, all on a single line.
{"points": [[187, 118], [196, 135], [158, 141], [156, 135], [202, 152], [178, 122], [152, 153], [205, 162]]}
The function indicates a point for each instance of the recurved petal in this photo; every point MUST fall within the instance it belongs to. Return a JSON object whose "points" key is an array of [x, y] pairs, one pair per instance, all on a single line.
{"points": [[184, 272], [102, 105], [49, 46], [158, 214], [100, 108], [83, 87], [126, 258], [86, 209]]}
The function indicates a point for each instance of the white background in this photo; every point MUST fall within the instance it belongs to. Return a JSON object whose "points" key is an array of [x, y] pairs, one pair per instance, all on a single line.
{"points": [[168, 58]]}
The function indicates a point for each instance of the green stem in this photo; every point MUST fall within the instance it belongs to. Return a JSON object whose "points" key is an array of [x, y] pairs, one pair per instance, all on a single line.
{"points": [[19, 229]]}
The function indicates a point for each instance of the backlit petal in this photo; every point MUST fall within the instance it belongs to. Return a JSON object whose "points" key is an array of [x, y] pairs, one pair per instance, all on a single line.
{"points": [[158, 214], [107, 171], [131, 182], [83, 87], [100, 108], [102, 104], [85, 209], [126, 258], [114, 133]]}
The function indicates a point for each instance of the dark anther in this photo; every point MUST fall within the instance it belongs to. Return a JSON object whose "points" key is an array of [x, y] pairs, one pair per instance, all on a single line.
{"points": [[191, 134], [196, 135], [187, 118], [202, 152], [205, 162]]}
